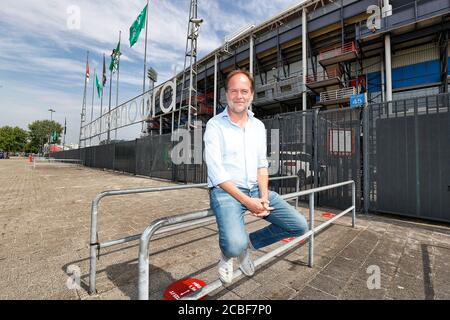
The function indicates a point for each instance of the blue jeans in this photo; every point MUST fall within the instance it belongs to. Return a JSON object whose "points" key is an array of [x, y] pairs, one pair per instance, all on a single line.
{"points": [[285, 221]]}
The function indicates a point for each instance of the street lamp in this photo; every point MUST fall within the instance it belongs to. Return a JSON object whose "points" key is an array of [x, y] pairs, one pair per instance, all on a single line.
{"points": [[49, 134], [51, 114]]}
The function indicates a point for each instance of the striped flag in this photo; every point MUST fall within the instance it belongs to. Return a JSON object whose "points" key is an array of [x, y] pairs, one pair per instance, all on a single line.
{"points": [[104, 72], [87, 72]]}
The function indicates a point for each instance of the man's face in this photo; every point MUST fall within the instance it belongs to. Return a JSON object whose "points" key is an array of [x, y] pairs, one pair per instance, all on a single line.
{"points": [[239, 93]]}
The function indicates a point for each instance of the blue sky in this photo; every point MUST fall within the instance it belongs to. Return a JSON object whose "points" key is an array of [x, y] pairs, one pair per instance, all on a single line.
{"points": [[43, 51]]}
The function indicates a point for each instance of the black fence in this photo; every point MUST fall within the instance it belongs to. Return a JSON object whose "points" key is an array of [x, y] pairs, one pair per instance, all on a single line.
{"points": [[407, 156], [303, 150], [400, 165]]}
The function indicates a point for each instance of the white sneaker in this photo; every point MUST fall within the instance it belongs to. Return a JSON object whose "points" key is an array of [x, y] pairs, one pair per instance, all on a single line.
{"points": [[246, 264], [226, 269]]}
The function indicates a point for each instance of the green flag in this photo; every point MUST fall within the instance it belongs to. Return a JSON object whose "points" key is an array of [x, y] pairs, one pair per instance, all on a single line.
{"points": [[136, 27], [53, 136], [115, 55], [99, 87]]}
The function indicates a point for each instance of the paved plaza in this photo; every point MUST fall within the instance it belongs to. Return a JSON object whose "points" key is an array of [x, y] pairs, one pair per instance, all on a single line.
{"points": [[45, 225]]}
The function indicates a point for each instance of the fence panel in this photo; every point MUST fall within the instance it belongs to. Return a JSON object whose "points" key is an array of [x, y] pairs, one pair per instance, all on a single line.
{"points": [[409, 157], [125, 157]]}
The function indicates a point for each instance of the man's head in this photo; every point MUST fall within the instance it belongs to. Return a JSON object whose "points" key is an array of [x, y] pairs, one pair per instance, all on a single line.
{"points": [[239, 87]]}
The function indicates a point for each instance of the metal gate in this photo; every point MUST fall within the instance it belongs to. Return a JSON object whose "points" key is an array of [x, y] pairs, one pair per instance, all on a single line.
{"points": [[338, 134], [407, 156]]}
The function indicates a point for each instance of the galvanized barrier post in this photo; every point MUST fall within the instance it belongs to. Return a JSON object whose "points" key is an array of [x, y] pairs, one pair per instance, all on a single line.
{"points": [[311, 227], [95, 245], [354, 203], [145, 240]]}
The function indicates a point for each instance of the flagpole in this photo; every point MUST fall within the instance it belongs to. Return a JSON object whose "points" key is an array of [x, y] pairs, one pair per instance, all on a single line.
{"points": [[145, 56], [101, 111], [109, 107], [117, 85], [64, 139], [92, 107], [101, 108], [84, 100], [145, 53]]}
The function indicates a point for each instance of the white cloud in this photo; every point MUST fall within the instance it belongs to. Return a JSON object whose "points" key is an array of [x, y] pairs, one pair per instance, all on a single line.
{"points": [[42, 60]]}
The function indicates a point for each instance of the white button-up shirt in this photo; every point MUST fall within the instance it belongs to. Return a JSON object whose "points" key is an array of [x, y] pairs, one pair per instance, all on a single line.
{"points": [[233, 153]]}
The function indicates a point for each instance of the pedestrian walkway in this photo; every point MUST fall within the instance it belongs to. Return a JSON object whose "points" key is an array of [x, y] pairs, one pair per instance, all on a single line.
{"points": [[45, 220]]}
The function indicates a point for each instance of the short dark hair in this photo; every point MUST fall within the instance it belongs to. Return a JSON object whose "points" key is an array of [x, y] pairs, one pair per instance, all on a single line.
{"points": [[245, 73]]}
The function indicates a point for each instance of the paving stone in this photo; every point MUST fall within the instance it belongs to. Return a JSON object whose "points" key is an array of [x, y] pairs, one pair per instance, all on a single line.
{"points": [[327, 284], [309, 293], [358, 289], [406, 287]]}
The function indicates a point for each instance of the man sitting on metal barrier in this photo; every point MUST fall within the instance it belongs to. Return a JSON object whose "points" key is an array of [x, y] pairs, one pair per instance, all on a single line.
{"points": [[235, 154]]}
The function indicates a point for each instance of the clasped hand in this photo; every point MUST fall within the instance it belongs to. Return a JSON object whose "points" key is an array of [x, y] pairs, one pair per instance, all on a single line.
{"points": [[259, 207]]}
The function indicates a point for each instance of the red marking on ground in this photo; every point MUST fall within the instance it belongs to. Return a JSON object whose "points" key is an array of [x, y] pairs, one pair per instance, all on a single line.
{"points": [[328, 215], [182, 288], [287, 240]]}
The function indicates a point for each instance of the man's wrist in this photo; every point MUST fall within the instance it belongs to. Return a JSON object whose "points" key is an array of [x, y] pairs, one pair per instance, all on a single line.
{"points": [[264, 196], [246, 200]]}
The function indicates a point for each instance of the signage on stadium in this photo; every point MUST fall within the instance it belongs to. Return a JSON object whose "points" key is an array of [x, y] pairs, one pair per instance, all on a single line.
{"points": [[136, 110]]}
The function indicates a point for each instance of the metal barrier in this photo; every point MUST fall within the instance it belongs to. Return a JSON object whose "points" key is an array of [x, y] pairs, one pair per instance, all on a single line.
{"points": [[53, 161], [152, 229], [96, 246]]}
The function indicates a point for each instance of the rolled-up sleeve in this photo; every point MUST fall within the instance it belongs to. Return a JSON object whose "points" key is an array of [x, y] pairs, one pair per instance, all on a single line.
{"points": [[213, 155], [262, 148]]}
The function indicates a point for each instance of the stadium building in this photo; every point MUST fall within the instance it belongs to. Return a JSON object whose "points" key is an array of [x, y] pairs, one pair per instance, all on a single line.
{"points": [[318, 54], [347, 90]]}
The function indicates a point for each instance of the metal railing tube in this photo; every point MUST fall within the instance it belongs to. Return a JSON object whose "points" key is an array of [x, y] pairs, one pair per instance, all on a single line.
{"points": [[144, 281], [144, 277], [217, 284], [94, 245], [119, 241], [306, 192], [311, 228], [237, 273], [160, 231], [325, 224], [354, 204], [145, 240]]}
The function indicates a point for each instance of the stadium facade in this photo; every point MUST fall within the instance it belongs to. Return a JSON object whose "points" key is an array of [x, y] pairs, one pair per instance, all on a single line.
{"points": [[347, 90], [320, 54]]}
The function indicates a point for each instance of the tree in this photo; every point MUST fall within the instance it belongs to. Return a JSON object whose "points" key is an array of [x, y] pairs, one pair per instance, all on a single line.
{"points": [[40, 132], [12, 139]]}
